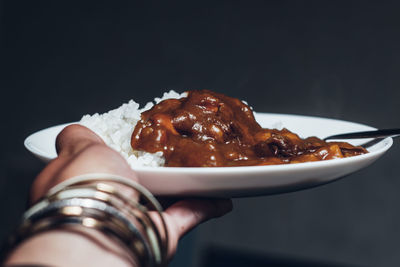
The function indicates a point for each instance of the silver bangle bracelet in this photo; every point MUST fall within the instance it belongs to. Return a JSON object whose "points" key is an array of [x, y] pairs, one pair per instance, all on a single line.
{"points": [[105, 177], [106, 194], [89, 200]]}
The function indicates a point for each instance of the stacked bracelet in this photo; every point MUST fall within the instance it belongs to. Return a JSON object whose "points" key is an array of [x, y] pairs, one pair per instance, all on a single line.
{"points": [[92, 201]]}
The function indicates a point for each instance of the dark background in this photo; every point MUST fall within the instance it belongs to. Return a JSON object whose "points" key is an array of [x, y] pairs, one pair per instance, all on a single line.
{"points": [[337, 59]]}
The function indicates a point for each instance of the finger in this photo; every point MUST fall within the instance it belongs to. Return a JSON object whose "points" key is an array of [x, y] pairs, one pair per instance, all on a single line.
{"points": [[189, 213], [81, 151], [71, 140], [87, 153], [184, 215], [74, 138]]}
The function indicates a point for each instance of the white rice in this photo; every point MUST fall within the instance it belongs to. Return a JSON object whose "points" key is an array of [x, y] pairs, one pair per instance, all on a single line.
{"points": [[116, 126]]}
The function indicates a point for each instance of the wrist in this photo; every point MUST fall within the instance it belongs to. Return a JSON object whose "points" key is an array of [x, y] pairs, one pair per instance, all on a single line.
{"points": [[72, 246]]}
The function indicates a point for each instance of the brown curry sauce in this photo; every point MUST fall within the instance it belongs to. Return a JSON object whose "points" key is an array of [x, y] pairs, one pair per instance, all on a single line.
{"points": [[208, 129]]}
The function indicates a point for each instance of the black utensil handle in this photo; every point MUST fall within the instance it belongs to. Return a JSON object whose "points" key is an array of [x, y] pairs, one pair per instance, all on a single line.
{"points": [[366, 134]]}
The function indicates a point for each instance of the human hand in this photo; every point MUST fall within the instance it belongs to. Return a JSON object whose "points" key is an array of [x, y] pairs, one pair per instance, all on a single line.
{"points": [[81, 151]]}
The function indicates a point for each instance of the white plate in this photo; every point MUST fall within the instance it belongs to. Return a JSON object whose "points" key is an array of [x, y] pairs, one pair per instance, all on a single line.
{"points": [[244, 181]]}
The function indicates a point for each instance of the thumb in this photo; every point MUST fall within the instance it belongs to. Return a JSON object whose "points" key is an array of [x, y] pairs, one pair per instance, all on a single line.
{"points": [[75, 138]]}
